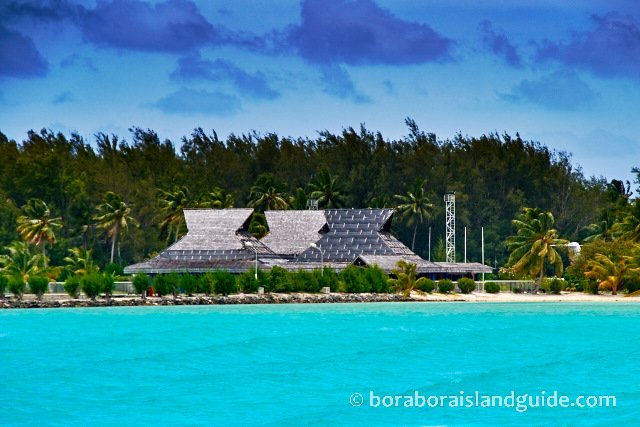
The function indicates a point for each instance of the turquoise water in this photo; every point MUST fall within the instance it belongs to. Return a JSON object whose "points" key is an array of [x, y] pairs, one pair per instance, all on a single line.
{"points": [[299, 364]]}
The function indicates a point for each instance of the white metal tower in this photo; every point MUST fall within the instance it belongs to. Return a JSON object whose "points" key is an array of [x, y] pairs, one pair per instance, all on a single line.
{"points": [[450, 240]]}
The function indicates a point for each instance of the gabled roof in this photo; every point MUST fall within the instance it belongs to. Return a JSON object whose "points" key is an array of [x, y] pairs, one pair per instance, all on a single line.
{"points": [[389, 263], [213, 229], [351, 232], [291, 232]]}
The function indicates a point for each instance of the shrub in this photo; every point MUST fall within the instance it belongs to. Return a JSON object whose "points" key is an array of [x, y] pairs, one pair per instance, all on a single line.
{"points": [[172, 282], [160, 285], [38, 285], [427, 285], [108, 284], [328, 278], [17, 287], [207, 284], [141, 284], [377, 280], [114, 269], [445, 286], [4, 281], [354, 280], [310, 282], [555, 286], [278, 280], [631, 286], [92, 284], [466, 285], [491, 287], [517, 290], [247, 282], [188, 283], [72, 286], [296, 282], [225, 283], [592, 287]]}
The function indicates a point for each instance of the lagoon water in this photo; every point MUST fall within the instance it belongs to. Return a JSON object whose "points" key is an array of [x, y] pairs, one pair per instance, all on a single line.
{"points": [[300, 364]]}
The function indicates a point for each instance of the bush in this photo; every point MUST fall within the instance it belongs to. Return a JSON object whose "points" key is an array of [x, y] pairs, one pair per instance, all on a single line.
{"points": [[4, 281], [72, 286], [310, 282], [92, 284], [592, 287], [278, 280], [17, 287], [517, 290], [377, 280], [114, 269], [354, 280], [427, 285], [631, 286], [555, 286], [328, 278], [207, 284], [466, 285], [141, 284], [225, 282], [248, 284], [38, 285], [108, 284], [160, 285], [491, 288], [445, 286], [188, 283], [172, 282]]}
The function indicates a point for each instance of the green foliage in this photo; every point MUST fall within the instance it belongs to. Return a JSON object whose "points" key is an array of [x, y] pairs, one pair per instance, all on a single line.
{"points": [[491, 288], [225, 282], [72, 286], [38, 285], [188, 283], [141, 283], [427, 285], [517, 290], [92, 284], [414, 207], [376, 279], [207, 283], [17, 286], [114, 269], [466, 285], [22, 261], [172, 282], [161, 285], [553, 286], [278, 280], [108, 284], [445, 286], [4, 281], [354, 280], [248, 284], [405, 278]]}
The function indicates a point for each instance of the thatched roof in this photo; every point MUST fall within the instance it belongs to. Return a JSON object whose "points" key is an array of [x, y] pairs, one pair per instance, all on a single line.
{"points": [[291, 232]]}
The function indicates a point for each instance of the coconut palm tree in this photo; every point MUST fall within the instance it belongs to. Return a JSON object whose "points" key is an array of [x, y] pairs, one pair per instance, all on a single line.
{"points": [[218, 198], [172, 205], [629, 227], [611, 272], [414, 207], [114, 217], [22, 262], [80, 262], [534, 243], [268, 194], [326, 189], [405, 277], [37, 226]]}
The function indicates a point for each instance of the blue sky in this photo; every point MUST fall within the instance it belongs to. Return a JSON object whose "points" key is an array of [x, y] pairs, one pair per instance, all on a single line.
{"points": [[566, 74]]}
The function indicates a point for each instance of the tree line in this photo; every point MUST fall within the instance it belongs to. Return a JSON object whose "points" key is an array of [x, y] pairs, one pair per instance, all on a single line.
{"points": [[112, 200]]}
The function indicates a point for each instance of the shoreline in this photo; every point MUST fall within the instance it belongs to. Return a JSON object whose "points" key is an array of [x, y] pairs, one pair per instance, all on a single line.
{"points": [[63, 301]]}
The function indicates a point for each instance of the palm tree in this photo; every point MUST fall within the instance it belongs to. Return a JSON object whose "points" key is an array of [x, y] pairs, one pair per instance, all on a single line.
{"points": [[113, 216], [80, 262], [218, 198], [37, 226], [172, 204], [629, 227], [300, 201], [326, 189], [610, 272], [600, 230], [405, 277], [414, 207], [267, 194], [534, 244], [22, 262]]}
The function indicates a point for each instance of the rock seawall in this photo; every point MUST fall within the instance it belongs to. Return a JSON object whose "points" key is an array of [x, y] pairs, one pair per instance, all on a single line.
{"points": [[205, 300]]}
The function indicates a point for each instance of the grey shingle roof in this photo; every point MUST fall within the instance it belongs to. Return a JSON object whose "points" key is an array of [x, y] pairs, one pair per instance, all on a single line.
{"points": [[291, 232], [213, 229], [351, 232], [388, 263]]}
